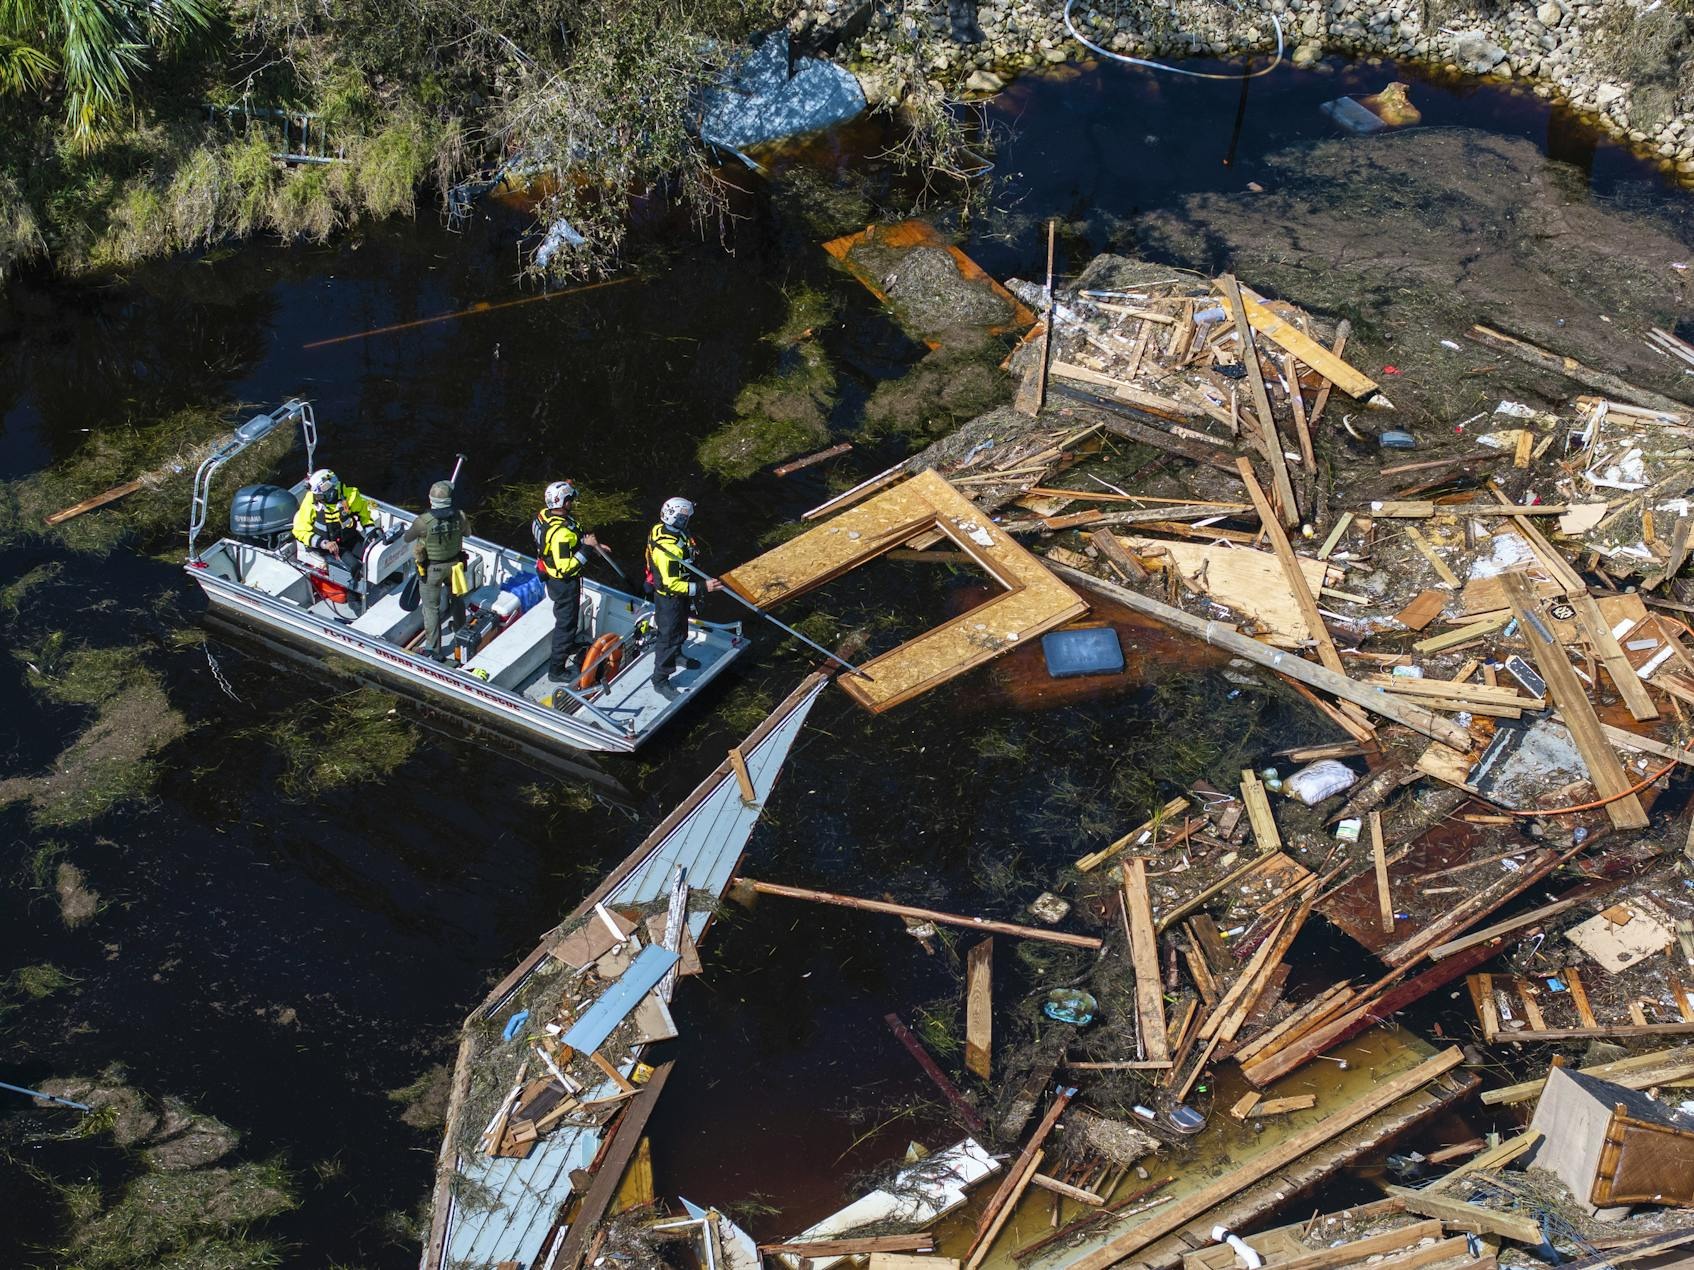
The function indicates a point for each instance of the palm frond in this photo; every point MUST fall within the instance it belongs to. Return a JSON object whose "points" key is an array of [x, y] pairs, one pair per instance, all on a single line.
{"points": [[23, 68]]}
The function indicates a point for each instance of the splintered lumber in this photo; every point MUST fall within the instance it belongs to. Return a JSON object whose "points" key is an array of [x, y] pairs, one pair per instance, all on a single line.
{"points": [[1144, 953], [1487, 933], [1225, 1021], [1076, 1193], [1107, 544], [1268, 439], [1456, 1212], [1624, 808], [614, 1159], [1570, 368], [949, 1091], [1343, 329], [1303, 1019], [1362, 1251], [1598, 633], [1494, 1157], [1321, 677], [979, 1007], [1142, 833], [1462, 634], [1291, 339], [1046, 324], [1282, 1106], [1335, 535], [795, 466], [1640, 1071], [1131, 428], [1565, 577], [922, 914], [1259, 816], [1379, 854], [1234, 875], [1284, 1153], [1015, 1180], [1298, 587], [1034, 601], [920, 1241], [1436, 562]]}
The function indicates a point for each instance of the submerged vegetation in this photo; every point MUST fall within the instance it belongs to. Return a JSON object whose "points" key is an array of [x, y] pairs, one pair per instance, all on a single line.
{"points": [[372, 741]]}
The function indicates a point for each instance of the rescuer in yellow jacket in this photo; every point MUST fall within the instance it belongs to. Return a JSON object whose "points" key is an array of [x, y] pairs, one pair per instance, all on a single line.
{"points": [[333, 517], [673, 588], [559, 540]]}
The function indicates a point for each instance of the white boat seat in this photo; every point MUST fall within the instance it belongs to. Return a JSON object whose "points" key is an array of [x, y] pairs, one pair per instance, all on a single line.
{"points": [[387, 620], [519, 650], [264, 572]]}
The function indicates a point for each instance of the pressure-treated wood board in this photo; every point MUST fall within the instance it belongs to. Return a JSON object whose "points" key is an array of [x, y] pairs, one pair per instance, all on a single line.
{"points": [[1035, 600], [1250, 582], [916, 233]]}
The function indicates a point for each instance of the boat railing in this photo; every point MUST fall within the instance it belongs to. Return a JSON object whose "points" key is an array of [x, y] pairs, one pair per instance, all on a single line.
{"points": [[255, 429]]}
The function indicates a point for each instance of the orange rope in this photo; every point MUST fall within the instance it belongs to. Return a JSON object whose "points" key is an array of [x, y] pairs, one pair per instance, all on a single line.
{"points": [[1598, 802]]}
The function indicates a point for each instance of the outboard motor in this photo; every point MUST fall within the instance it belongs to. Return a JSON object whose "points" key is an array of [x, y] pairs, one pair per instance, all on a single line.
{"points": [[262, 515]]}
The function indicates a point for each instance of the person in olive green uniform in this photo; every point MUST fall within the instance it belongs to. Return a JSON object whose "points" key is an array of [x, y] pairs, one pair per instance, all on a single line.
{"points": [[673, 588], [438, 543], [559, 542]]}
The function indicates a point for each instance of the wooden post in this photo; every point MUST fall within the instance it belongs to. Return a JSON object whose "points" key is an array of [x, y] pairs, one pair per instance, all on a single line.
{"points": [[915, 1048], [1144, 952], [1046, 326], [1268, 438], [979, 1007], [1343, 329], [1378, 851], [749, 796], [1259, 816]]}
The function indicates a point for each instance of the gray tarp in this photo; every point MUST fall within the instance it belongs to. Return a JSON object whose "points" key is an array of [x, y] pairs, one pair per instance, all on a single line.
{"points": [[762, 98]]}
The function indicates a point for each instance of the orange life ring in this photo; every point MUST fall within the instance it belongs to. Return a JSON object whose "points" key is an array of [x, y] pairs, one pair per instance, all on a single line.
{"points": [[604, 655]]}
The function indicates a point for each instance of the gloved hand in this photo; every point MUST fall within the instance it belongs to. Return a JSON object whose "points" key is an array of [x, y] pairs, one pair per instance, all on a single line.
{"points": [[423, 569]]}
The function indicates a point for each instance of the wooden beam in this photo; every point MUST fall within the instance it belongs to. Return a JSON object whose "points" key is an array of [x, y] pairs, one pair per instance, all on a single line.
{"points": [[1107, 544], [1284, 1153], [749, 795], [1068, 1191], [1269, 441], [99, 500], [1343, 329], [924, 914], [1144, 952], [1627, 1031], [1506, 927], [1016, 1178], [1570, 368], [949, 1091], [1624, 810], [979, 1007], [1435, 562], [1291, 339], [920, 1241], [1361, 1250], [1144, 832], [1379, 854], [1494, 1157], [985, 1239], [1568, 579], [1259, 817], [625, 1138], [1282, 1106], [1321, 677], [1481, 1221], [611, 1073], [1598, 633], [1640, 1071]]}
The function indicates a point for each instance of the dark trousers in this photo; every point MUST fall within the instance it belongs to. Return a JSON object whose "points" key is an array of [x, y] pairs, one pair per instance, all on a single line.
{"points": [[670, 620], [435, 595], [566, 594]]}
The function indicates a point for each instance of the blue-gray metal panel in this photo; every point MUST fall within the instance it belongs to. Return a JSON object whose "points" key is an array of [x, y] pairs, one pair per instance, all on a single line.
{"points": [[709, 843], [590, 1031], [528, 1194]]}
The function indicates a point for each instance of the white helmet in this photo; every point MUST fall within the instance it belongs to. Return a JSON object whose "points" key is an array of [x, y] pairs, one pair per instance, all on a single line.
{"points": [[325, 483], [559, 493], [676, 513]]}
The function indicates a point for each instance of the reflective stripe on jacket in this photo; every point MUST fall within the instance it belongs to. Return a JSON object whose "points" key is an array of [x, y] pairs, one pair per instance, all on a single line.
{"points": [[316, 521], [666, 550], [559, 539]]}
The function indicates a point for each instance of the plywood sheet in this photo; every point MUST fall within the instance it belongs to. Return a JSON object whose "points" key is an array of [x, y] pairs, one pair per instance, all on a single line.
{"points": [[1034, 602], [1249, 581], [1619, 945]]}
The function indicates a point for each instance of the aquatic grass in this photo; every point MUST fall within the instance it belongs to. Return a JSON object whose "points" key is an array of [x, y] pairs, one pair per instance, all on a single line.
{"points": [[390, 166], [14, 593], [744, 708], [777, 417], [188, 1219], [948, 386], [370, 741], [40, 981], [304, 206], [807, 311]]}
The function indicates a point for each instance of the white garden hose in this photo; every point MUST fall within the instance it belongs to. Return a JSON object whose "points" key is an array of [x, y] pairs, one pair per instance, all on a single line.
{"points": [[1089, 44]]}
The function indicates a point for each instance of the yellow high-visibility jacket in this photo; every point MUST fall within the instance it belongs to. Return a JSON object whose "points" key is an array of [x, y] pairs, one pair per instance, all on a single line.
{"points": [[666, 550], [318, 522], [559, 538]]}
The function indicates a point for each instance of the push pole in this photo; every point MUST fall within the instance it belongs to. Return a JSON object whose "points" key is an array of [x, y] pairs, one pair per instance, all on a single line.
{"points": [[782, 626]]}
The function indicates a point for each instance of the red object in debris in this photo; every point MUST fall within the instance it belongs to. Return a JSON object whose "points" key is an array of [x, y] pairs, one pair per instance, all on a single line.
{"points": [[324, 589], [1390, 370]]}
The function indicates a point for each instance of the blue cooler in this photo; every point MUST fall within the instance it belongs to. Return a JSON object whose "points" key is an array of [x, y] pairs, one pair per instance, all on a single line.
{"points": [[1093, 650]]}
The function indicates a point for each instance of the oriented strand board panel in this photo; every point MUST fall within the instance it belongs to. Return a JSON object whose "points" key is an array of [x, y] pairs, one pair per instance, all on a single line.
{"points": [[1249, 581], [1035, 601]]}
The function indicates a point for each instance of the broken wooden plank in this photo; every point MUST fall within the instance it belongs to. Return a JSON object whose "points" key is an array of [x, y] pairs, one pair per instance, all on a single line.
{"points": [[1598, 632], [1623, 808], [1070, 1192], [1284, 1153], [1459, 1214], [1269, 441], [1291, 339], [1016, 1177], [614, 1158], [1107, 544], [1570, 368], [1639, 1071], [1144, 954], [1321, 677], [921, 914], [1436, 562], [979, 1007], [1379, 854], [1259, 817], [1283, 1106], [796, 465], [1143, 833], [937, 1077], [918, 1241], [99, 500], [1343, 329]]}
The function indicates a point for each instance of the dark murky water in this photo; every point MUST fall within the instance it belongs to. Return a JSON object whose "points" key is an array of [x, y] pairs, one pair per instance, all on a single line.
{"points": [[281, 965]]}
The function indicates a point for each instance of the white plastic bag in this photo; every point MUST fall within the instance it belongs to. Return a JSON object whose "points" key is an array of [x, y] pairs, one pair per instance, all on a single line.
{"points": [[1320, 780]]}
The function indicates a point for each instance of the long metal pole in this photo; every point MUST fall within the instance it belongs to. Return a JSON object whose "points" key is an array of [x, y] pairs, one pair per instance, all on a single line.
{"points": [[36, 1093], [607, 557], [783, 626]]}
